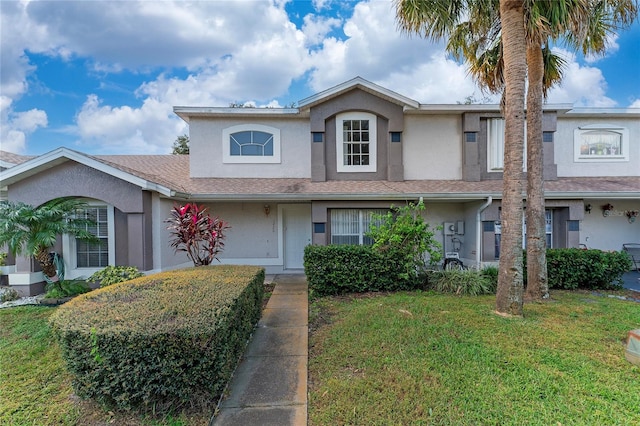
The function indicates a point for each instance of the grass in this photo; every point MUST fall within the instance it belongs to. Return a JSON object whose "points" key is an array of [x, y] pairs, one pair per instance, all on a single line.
{"points": [[423, 358], [34, 385]]}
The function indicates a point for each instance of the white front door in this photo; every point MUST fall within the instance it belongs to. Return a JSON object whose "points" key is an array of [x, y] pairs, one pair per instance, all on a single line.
{"points": [[297, 233]]}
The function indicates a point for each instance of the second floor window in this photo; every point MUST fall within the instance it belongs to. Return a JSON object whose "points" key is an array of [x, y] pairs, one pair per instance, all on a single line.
{"points": [[601, 143], [251, 143], [495, 145], [356, 143]]}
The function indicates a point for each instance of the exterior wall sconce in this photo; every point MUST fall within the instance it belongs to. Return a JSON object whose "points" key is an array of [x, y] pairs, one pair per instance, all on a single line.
{"points": [[632, 215], [587, 208], [606, 209], [267, 209]]}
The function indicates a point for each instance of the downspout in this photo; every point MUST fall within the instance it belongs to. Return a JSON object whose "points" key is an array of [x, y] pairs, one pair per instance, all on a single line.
{"points": [[479, 229]]}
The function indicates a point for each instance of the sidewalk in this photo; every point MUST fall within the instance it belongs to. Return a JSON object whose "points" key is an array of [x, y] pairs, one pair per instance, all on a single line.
{"points": [[269, 387]]}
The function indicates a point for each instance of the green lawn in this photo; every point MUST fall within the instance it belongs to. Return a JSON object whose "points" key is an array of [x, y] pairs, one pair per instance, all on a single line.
{"points": [[421, 358]]}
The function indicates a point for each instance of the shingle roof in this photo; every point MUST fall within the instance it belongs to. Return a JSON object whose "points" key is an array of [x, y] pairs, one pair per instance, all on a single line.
{"points": [[172, 171], [12, 158]]}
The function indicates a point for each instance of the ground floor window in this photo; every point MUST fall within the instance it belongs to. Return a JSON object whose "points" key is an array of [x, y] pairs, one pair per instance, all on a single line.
{"points": [[94, 254], [349, 226], [548, 215]]}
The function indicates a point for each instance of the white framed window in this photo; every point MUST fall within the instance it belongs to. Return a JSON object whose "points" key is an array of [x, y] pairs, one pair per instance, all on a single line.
{"points": [[89, 257], [349, 226], [548, 218], [356, 142], [601, 142], [495, 145], [251, 143]]}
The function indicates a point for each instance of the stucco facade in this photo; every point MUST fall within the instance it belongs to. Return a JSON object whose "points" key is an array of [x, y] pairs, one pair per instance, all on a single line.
{"points": [[285, 178]]}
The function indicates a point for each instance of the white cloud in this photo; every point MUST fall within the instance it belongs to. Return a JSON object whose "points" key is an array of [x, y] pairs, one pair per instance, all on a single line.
{"points": [[150, 129], [16, 126], [583, 86], [635, 104], [611, 47], [374, 50]]}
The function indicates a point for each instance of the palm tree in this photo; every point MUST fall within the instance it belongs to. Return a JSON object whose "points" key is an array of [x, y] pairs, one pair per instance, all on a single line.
{"points": [[437, 19], [581, 24], [32, 231]]}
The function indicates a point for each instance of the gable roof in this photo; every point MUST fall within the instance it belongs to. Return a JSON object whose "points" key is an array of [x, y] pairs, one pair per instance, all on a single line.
{"points": [[362, 84], [127, 168]]}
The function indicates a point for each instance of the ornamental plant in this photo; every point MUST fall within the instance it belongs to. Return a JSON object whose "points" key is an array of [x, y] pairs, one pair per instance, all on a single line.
{"points": [[403, 235], [195, 232]]}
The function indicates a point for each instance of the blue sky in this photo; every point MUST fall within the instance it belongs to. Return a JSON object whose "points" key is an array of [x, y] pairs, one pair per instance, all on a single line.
{"points": [[102, 77]]}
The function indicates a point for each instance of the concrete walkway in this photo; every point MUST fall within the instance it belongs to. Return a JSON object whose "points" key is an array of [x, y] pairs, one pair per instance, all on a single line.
{"points": [[269, 387]]}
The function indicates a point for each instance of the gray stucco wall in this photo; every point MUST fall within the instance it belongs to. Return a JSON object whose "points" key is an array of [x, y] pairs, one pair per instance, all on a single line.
{"points": [[132, 216], [390, 118]]}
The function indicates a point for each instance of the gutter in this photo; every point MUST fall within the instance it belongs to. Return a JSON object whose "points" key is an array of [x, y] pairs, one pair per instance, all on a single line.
{"points": [[479, 229]]}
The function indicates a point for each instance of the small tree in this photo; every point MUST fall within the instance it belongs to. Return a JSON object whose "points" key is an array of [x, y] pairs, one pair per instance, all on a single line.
{"points": [[195, 232], [404, 235], [32, 231], [181, 145]]}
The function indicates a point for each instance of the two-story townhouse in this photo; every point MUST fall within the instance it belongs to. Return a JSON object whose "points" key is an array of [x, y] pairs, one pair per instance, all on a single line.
{"points": [[286, 178]]}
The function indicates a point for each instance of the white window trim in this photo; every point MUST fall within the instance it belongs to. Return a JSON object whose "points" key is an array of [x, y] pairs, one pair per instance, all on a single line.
{"points": [[373, 142], [69, 247], [250, 159], [495, 146], [577, 142]]}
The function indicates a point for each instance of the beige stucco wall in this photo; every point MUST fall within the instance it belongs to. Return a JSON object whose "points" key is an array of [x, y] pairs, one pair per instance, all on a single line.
{"points": [[564, 149], [432, 147], [253, 234], [205, 137], [609, 233]]}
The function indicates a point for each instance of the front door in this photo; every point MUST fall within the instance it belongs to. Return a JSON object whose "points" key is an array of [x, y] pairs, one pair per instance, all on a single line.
{"points": [[297, 234]]}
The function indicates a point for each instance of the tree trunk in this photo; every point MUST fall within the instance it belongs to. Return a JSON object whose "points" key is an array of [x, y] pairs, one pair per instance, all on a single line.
{"points": [[537, 285], [48, 268], [509, 297]]}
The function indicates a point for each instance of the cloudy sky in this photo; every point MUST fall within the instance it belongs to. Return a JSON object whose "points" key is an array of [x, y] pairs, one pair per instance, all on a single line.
{"points": [[102, 77]]}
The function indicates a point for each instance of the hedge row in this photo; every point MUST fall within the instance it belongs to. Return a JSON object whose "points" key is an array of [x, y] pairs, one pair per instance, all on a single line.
{"points": [[340, 269], [160, 340], [572, 268]]}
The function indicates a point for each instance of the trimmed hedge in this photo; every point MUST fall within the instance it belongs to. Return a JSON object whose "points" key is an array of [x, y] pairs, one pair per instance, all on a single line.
{"points": [[572, 268], [340, 269], [161, 340]]}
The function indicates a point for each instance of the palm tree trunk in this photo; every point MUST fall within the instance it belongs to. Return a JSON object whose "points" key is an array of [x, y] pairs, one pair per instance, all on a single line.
{"points": [[537, 285], [48, 268], [509, 297]]}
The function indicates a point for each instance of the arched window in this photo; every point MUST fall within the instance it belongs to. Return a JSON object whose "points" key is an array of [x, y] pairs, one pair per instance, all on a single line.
{"points": [[251, 143]]}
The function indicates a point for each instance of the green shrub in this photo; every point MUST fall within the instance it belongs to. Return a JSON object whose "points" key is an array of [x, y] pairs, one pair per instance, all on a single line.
{"points": [[340, 269], [161, 340], [115, 274], [403, 235], [573, 268], [490, 273], [462, 281], [67, 288], [3, 258]]}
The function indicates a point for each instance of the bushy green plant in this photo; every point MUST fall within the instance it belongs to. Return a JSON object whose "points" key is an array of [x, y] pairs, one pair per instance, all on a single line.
{"points": [[115, 274], [461, 281], [195, 232], [163, 340], [67, 288], [403, 235], [490, 273], [572, 268], [8, 295], [3, 258], [340, 269]]}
